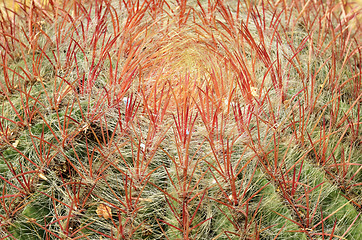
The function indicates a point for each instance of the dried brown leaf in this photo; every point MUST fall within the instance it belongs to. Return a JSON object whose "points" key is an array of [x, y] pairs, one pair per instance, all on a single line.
{"points": [[104, 211]]}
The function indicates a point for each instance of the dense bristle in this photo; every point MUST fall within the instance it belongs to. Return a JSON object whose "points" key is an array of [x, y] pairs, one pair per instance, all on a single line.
{"points": [[140, 119]]}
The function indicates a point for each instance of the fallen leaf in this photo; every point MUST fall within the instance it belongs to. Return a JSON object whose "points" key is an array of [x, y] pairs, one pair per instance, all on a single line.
{"points": [[104, 211]]}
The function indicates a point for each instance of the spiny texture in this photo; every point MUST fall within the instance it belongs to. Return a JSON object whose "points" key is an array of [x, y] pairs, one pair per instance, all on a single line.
{"points": [[142, 119]]}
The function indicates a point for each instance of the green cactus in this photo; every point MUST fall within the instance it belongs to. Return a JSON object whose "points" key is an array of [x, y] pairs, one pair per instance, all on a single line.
{"points": [[180, 120]]}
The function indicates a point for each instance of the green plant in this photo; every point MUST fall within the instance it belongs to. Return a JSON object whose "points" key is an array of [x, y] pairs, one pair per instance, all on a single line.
{"points": [[141, 119]]}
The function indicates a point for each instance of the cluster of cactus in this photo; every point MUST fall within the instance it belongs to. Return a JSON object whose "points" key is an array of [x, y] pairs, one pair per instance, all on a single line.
{"points": [[185, 119]]}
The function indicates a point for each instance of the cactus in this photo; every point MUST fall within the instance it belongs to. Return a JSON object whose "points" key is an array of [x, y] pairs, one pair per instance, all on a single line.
{"points": [[180, 119]]}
